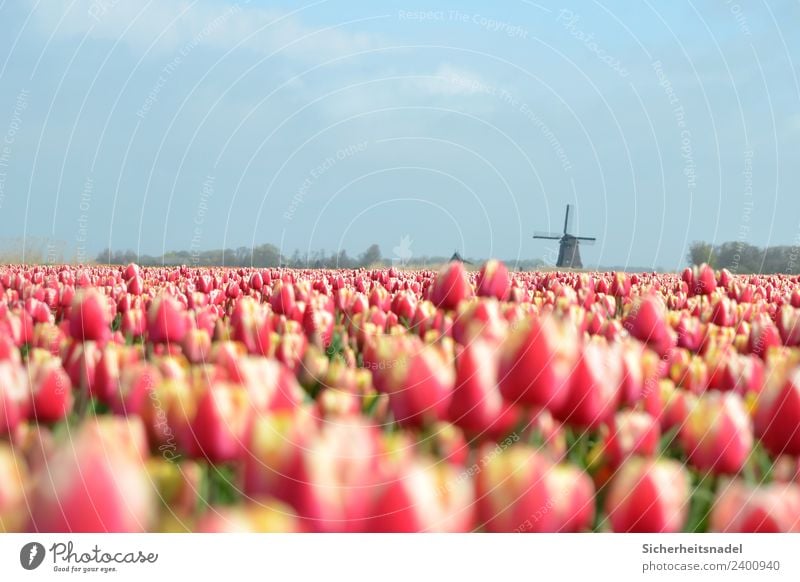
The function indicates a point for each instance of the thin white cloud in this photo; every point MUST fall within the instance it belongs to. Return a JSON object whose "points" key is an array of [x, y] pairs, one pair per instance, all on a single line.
{"points": [[174, 25]]}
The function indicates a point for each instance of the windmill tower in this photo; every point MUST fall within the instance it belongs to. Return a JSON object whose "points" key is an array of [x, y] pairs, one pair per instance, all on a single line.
{"points": [[569, 254]]}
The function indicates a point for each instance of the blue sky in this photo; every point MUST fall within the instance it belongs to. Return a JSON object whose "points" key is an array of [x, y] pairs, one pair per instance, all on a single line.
{"points": [[461, 125]]}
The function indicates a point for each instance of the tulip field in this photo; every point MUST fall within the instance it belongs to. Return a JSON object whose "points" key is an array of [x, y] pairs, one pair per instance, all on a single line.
{"points": [[389, 400]]}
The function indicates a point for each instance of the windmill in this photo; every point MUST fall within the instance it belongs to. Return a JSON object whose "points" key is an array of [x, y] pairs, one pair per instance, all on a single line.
{"points": [[569, 254]]}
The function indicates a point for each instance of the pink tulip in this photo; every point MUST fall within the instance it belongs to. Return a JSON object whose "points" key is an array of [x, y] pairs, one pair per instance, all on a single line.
{"points": [[772, 508], [631, 433], [777, 416], [90, 316], [493, 280], [476, 405], [166, 321], [95, 482], [717, 435], [420, 384], [451, 286], [648, 496], [51, 389], [536, 361], [593, 388]]}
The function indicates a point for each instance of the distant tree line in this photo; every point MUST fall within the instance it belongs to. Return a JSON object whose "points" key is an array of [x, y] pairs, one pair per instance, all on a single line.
{"points": [[268, 255], [265, 255], [740, 257]]}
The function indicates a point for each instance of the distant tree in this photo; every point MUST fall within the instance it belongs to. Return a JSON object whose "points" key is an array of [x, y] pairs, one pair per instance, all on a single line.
{"points": [[371, 256], [266, 255], [701, 252]]}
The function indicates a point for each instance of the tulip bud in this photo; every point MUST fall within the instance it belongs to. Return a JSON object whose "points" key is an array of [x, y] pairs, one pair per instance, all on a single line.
{"points": [[451, 286], [50, 388], [13, 395], [420, 384], [477, 405], [90, 316], [631, 433], [327, 474], [424, 496], [593, 389], [648, 496], [136, 382], [223, 413], [777, 416], [536, 361], [493, 280], [118, 495], [519, 489], [646, 320], [772, 508], [167, 321], [717, 436]]}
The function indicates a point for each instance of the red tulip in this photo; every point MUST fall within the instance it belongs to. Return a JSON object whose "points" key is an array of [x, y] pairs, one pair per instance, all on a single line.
{"points": [[420, 384], [13, 393], [536, 361], [593, 388], [95, 482], [51, 389], [476, 405], [772, 508], [90, 316], [328, 475], [223, 413], [511, 490], [166, 321], [631, 433], [136, 382], [572, 499], [451, 286], [705, 281], [788, 323], [777, 416], [717, 435], [646, 320], [648, 496], [423, 496], [493, 280]]}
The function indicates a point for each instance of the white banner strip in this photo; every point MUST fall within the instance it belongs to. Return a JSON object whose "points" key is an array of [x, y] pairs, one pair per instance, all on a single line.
{"points": [[400, 557]]}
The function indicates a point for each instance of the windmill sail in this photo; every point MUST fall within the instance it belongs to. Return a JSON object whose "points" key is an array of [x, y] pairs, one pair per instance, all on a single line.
{"points": [[569, 254]]}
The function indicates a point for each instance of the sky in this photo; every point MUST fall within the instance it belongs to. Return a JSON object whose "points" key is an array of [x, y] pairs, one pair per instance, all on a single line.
{"points": [[198, 124]]}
